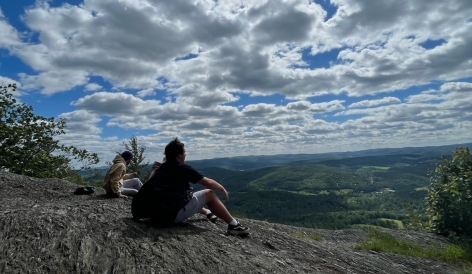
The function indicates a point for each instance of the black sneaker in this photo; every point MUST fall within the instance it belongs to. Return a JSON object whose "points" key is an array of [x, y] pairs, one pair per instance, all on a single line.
{"points": [[237, 230], [212, 217]]}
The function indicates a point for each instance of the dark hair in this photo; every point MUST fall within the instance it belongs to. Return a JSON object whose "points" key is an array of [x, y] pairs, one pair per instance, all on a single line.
{"points": [[173, 149], [127, 155]]}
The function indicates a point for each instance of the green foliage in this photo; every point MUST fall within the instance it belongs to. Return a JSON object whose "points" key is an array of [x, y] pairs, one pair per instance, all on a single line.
{"points": [[467, 271], [333, 194], [137, 164], [416, 219], [329, 211], [28, 145], [449, 200], [379, 241], [315, 178], [93, 177]]}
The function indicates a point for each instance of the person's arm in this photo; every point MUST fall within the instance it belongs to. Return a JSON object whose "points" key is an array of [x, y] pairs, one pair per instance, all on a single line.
{"points": [[130, 175], [212, 184], [155, 167]]}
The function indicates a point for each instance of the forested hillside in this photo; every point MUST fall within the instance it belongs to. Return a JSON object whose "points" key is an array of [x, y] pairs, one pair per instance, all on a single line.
{"points": [[336, 193], [337, 190]]}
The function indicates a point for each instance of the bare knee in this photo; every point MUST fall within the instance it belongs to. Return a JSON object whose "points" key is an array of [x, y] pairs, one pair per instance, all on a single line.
{"points": [[208, 192], [209, 195]]}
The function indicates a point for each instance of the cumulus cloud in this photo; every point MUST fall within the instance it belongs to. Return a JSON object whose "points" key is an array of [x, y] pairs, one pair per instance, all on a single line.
{"points": [[146, 92], [92, 87], [371, 103], [181, 67], [113, 103], [10, 36], [457, 86], [54, 81], [143, 40], [81, 122], [5, 81]]}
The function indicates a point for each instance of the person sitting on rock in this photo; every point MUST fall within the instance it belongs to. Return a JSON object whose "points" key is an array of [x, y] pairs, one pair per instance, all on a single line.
{"points": [[204, 211], [167, 197], [119, 184]]}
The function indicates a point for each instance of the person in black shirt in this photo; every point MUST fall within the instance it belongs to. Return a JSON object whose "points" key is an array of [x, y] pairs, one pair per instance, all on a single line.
{"points": [[167, 197]]}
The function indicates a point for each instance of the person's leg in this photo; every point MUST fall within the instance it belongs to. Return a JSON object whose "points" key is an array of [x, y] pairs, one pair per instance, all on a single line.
{"points": [[195, 205], [129, 191], [134, 183], [212, 217], [205, 211], [217, 207]]}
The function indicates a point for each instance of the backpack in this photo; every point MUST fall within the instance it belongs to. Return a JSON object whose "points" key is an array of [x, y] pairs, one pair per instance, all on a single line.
{"points": [[159, 205], [84, 190]]}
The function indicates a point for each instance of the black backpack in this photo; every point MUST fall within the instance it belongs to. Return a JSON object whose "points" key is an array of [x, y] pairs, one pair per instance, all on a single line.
{"points": [[156, 203], [84, 190]]}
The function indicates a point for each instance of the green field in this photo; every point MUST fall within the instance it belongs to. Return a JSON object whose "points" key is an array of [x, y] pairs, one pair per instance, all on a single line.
{"points": [[367, 227], [375, 167], [425, 188], [398, 222]]}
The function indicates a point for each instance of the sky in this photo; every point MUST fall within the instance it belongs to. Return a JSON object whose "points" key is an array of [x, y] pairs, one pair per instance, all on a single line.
{"points": [[241, 77]]}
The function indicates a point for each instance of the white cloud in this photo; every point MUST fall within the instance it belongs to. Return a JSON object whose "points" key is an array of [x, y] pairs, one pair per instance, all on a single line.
{"points": [[10, 36], [54, 81], [195, 60], [117, 103], [425, 96], [81, 122], [146, 92], [371, 103], [142, 39], [5, 81], [457, 86], [92, 87]]}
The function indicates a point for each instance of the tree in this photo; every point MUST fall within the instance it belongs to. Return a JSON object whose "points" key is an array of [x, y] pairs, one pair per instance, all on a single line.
{"points": [[137, 164], [449, 199], [28, 145]]}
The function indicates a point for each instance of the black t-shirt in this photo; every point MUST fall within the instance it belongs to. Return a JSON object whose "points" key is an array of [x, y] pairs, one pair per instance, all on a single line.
{"points": [[165, 193], [180, 174]]}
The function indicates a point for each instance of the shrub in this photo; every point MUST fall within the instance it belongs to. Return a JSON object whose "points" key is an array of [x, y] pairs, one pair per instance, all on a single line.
{"points": [[28, 145], [449, 199]]}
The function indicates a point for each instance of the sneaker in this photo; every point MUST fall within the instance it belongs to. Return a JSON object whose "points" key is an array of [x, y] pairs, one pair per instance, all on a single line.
{"points": [[212, 217], [237, 230]]}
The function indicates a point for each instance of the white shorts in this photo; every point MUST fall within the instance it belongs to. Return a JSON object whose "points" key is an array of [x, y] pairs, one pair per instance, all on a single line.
{"points": [[194, 206]]}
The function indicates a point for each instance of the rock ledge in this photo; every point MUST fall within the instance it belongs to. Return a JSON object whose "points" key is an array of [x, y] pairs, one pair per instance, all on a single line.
{"points": [[46, 229]]}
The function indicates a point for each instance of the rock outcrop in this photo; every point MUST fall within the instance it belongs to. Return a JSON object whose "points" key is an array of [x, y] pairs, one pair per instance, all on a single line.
{"points": [[46, 229]]}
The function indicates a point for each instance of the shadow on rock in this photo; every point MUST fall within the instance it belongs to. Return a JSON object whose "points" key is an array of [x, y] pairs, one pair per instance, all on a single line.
{"points": [[148, 229]]}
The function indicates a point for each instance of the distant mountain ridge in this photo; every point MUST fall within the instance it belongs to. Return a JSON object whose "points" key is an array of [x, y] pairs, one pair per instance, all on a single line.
{"points": [[260, 161]]}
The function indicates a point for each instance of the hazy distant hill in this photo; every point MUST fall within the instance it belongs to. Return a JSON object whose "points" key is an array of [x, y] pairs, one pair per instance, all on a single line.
{"points": [[260, 161], [255, 162], [331, 190], [333, 193]]}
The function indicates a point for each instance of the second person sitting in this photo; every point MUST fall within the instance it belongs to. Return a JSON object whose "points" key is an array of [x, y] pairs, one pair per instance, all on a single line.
{"points": [[117, 182]]}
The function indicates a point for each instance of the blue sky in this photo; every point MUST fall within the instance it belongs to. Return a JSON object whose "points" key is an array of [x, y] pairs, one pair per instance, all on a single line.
{"points": [[240, 77]]}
